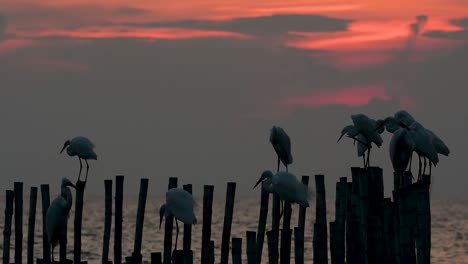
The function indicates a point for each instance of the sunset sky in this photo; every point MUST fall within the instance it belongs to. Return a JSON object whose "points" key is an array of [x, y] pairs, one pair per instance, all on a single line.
{"points": [[191, 88]]}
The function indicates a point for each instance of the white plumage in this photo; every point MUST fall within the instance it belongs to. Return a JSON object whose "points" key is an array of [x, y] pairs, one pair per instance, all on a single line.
{"points": [[57, 215], [401, 149], [83, 148], [282, 145]]}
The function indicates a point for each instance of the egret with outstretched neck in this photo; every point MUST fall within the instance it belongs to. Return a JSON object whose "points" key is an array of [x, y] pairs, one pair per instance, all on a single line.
{"points": [[180, 204], [83, 148], [282, 145], [57, 215]]}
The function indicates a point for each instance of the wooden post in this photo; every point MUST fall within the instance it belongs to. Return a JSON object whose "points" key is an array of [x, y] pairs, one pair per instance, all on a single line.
{"points": [[364, 206], [352, 226], [178, 257], [80, 187], [140, 220], [119, 182], [423, 241], [228, 213], [45, 240], [188, 257], [207, 211], [262, 219], [236, 250], [31, 224], [251, 245], [187, 244], [340, 219], [156, 258], [406, 247], [299, 245], [302, 210], [18, 188], [107, 219], [168, 226], [320, 244], [388, 234], [9, 195], [63, 245], [375, 215], [285, 249], [275, 215], [334, 243], [272, 237]]}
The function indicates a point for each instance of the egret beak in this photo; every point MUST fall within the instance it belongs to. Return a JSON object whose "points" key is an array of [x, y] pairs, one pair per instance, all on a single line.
{"points": [[65, 145], [403, 125], [72, 185], [258, 182], [340, 137]]}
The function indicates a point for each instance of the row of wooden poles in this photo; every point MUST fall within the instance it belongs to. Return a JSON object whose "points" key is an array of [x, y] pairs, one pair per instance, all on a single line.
{"points": [[368, 228]]}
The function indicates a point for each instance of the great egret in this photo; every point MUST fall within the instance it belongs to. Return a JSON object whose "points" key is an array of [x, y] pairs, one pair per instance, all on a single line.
{"points": [[179, 203], [57, 215], [401, 149], [287, 186], [367, 128], [282, 145], [84, 149]]}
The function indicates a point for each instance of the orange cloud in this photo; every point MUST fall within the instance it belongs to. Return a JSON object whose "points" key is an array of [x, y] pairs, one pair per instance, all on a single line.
{"points": [[351, 96]]}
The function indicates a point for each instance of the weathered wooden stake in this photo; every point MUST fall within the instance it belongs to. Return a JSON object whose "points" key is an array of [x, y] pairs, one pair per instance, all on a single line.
{"points": [[340, 219], [375, 215], [320, 244], [262, 219], [275, 215], [187, 244], [423, 241], [9, 195], [236, 250], [364, 206], [31, 224], [107, 219], [45, 240], [299, 245], [156, 258], [334, 243], [207, 211], [18, 188], [388, 234], [228, 212], [273, 255], [302, 210], [285, 249], [140, 220], [119, 182], [168, 226], [80, 188], [251, 247]]}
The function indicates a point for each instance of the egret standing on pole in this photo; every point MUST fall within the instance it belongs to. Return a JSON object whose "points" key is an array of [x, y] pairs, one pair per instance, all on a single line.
{"points": [[57, 215], [84, 149], [179, 203], [282, 145]]}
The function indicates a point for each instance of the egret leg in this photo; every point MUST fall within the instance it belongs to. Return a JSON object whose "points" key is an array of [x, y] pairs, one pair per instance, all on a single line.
{"points": [[368, 157], [419, 171], [430, 168], [87, 170], [410, 160], [424, 170], [81, 168], [277, 168], [282, 208], [177, 233], [364, 160]]}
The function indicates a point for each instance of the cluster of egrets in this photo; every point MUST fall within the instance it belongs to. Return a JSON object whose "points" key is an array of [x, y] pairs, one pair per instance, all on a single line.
{"points": [[408, 136]]}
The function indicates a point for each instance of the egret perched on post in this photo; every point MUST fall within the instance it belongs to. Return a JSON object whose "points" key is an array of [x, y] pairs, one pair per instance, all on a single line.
{"points": [[401, 150], [57, 215], [84, 149], [287, 186], [282, 145], [180, 204], [367, 128]]}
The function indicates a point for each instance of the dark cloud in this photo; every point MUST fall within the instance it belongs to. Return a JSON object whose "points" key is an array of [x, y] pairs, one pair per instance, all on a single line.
{"points": [[3, 25], [462, 22], [266, 25], [131, 11], [456, 35]]}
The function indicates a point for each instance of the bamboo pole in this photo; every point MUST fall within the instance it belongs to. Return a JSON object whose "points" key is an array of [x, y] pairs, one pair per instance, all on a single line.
{"points": [[251, 247], [285, 249], [211, 257], [424, 221], [207, 211], [340, 219], [31, 224], [156, 258], [334, 243], [302, 210], [140, 220], [45, 240], [375, 215], [353, 236], [80, 188], [178, 257], [18, 188], [299, 245], [388, 234], [119, 182], [168, 226], [107, 219], [272, 237], [63, 245], [228, 213], [275, 216], [9, 195], [320, 243], [236, 250], [364, 206], [187, 244], [262, 219]]}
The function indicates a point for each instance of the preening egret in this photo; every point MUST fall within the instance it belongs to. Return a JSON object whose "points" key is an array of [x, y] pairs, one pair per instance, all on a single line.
{"points": [[180, 204], [84, 149], [282, 145], [367, 128], [287, 186], [401, 149], [57, 215]]}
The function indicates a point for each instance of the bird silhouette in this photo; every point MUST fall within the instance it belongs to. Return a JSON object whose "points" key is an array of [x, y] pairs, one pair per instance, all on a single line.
{"points": [[57, 215], [282, 145], [83, 148], [401, 150]]}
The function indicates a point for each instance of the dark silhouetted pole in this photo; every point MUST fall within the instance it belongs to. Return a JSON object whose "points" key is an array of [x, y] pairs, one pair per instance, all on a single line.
{"points": [[299, 245], [80, 188], [262, 219], [320, 244], [334, 243], [140, 220], [107, 219], [18, 187], [285, 249], [340, 219], [9, 195], [156, 258], [273, 255], [364, 205], [119, 182], [275, 215], [31, 224], [251, 247], [187, 228], [45, 240], [236, 250], [228, 213], [423, 241], [207, 214], [168, 225]]}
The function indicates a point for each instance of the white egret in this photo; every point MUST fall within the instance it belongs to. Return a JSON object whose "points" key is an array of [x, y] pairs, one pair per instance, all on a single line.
{"points": [[180, 204], [401, 150], [282, 145], [367, 128], [57, 215], [287, 186], [83, 148]]}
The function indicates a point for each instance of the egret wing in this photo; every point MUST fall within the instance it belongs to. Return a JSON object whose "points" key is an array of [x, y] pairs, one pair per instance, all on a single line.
{"points": [[181, 205]]}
